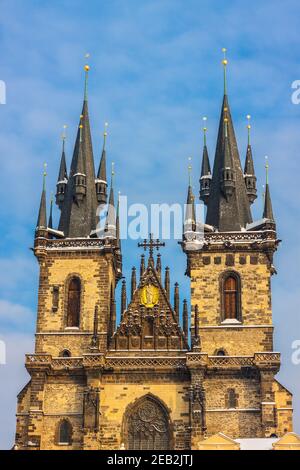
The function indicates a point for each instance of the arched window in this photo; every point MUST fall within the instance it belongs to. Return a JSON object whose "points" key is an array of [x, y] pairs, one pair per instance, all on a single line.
{"points": [[65, 353], [220, 352], [231, 293], [73, 307], [65, 432], [231, 398]]}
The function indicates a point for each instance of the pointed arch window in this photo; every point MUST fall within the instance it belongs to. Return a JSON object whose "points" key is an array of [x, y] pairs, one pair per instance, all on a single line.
{"points": [[231, 297], [73, 306], [65, 432], [232, 399]]}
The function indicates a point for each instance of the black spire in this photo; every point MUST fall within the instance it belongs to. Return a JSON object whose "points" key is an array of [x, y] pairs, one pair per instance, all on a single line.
{"points": [[62, 179], [268, 209], [78, 212], [110, 226], [228, 206], [42, 217], [190, 213], [205, 178], [101, 181], [185, 319], [249, 173], [133, 282]]}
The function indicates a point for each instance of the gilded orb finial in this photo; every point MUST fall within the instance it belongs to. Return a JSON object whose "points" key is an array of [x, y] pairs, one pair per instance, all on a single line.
{"points": [[248, 127], [86, 68], [105, 134], [267, 166], [204, 128], [190, 168], [225, 63], [44, 176]]}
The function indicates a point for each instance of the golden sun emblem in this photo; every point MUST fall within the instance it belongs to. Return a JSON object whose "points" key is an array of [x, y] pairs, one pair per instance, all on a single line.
{"points": [[149, 296]]}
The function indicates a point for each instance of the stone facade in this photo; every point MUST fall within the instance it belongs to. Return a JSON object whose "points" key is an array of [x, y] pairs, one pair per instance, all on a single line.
{"points": [[154, 380]]}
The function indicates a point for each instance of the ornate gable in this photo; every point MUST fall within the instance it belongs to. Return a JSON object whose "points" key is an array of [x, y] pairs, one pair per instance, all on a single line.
{"points": [[149, 323]]}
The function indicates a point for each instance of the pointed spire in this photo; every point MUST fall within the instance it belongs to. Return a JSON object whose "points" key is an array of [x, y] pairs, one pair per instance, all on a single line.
{"points": [[62, 179], [50, 221], [42, 217], [249, 173], [133, 281], [268, 210], [142, 266], [228, 207], [110, 227], [205, 178], [176, 300], [167, 282], [101, 181], [158, 265], [78, 211], [190, 213], [185, 319], [123, 298]]}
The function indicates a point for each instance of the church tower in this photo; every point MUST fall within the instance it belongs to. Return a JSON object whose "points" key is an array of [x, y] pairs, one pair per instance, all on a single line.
{"points": [[79, 272], [230, 272]]}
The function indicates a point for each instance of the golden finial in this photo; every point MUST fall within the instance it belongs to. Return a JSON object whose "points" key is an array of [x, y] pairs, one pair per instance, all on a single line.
{"points": [[112, 173], [225, 63], [80, 128], [226, 126], [87, 69], [248, 127], [190, 170], [64, 132], [44, 176], [267, 166], [105, 134], [204, 128]]}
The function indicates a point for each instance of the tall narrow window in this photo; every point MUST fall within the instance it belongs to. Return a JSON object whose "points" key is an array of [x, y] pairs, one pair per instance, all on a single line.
{"points": [[73, 307], [65, 432], [55, 298], [231, 398], [231, 298]]}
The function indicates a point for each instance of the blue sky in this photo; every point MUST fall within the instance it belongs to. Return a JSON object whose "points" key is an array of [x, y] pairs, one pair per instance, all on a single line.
{"points": [[155, 72]]}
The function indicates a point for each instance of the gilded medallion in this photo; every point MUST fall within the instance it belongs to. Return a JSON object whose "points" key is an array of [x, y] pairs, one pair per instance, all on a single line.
{"points": [[149, 296]]}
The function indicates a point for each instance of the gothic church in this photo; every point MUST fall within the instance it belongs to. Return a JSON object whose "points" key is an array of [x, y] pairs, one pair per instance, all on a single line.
{"points": [[162, 377]]}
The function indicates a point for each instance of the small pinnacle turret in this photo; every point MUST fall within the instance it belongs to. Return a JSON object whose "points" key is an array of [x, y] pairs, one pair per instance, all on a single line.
{"points": [[249, 173], [101, 180], [41, 224], [110, 226], [62, 179], [268, 209], [205, 178], [190, 212]]}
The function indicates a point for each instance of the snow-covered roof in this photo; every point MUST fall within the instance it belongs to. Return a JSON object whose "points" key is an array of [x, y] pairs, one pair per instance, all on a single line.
{"points": [[257, 443]]}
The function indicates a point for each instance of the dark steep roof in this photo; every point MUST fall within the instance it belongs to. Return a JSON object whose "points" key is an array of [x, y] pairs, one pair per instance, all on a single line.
{"points": [[79, 219], [233, 213]]}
